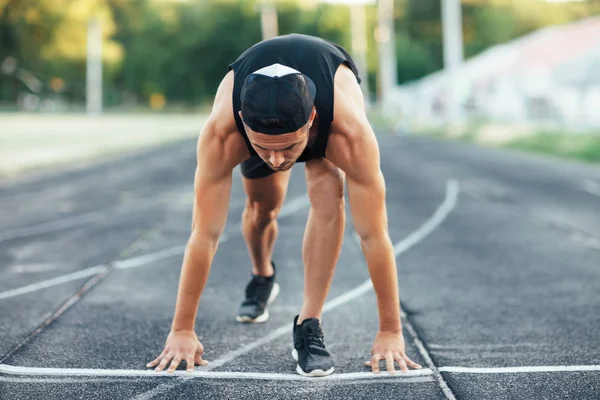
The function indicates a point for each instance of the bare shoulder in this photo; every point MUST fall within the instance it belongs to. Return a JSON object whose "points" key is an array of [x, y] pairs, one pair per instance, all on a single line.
{"points": [[220, 138], [352, 145]]}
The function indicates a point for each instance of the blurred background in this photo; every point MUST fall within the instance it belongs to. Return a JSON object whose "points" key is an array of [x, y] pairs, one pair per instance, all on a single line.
{"points": [[492, 69]]}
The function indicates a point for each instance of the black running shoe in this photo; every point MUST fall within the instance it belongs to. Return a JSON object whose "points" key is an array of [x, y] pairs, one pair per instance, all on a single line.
{"points": [[260, 293], [309, 349]]}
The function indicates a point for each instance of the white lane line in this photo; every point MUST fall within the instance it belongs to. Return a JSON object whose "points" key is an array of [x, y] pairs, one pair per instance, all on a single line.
{"points": [[63, 223], [69, 381], [133, 262], [201, 373], [282, 330], [519, 370], [288, 209], [363, 288], [434, 221], [53, 282], [425, 354], [159, 390], [312, 381], [77, 220], [149, 258], [451, 192], [592, 187]]}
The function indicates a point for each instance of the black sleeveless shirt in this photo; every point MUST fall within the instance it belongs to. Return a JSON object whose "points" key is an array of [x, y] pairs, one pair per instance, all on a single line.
{"points": [[316, 58]]}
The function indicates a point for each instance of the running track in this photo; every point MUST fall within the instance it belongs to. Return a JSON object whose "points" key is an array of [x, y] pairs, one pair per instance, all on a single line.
{"points": [[498, 257]]}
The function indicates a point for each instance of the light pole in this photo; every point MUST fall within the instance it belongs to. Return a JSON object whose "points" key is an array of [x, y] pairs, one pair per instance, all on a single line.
{"points": [[358, 26], [385, 36], [268, 20], [453, 56], [358, 33], [94, 68]]}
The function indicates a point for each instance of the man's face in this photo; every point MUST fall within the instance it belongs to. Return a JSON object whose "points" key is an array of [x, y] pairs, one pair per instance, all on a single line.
{"points": [[280, 152]]}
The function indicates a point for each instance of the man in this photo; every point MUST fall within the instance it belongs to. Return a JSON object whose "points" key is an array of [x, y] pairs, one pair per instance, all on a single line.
{"points": [[274, 108]]}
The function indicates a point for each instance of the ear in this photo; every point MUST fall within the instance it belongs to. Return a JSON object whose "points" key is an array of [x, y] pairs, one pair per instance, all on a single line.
{"points": [[313, 114]]}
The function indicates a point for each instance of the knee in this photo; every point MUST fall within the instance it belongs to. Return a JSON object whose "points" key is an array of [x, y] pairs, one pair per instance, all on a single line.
{"points": [[260, 214], [326, 194]]}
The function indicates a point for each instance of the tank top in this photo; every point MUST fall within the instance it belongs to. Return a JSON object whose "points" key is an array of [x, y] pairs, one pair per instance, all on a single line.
{"points": [[315, 57]]}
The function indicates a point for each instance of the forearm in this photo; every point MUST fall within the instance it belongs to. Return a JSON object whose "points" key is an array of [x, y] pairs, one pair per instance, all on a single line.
{"points": [[381, 262], [194, 274]]}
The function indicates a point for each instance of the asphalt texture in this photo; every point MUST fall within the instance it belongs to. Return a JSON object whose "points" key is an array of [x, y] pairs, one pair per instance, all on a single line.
{"points": [[509, 277]]}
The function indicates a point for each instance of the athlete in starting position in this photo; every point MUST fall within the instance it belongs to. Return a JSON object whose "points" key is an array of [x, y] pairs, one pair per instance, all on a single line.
{"points": [[293, 98]]}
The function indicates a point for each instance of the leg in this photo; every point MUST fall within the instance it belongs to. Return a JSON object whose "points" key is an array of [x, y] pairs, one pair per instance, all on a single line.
{"points": [[259, 219], [266, 191], [324, 234], [320, 251]]}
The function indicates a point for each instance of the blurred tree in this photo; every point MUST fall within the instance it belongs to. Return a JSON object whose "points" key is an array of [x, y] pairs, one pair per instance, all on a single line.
{"points": [[488, 26], [421, 22], [165, 52], [413, 59], [49, 39], [182, 50]]}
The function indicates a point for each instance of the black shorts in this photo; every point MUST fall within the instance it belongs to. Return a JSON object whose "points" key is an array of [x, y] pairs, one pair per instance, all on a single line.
{"points": [[256, 168]]}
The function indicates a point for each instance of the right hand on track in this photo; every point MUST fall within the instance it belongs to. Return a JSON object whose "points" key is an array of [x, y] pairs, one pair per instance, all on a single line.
{"points": [[180, 346]]}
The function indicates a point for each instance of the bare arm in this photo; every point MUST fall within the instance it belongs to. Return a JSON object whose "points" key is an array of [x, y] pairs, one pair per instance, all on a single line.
{"points": [[220, 148], [212, 187], [366, 193], [212, 184], [353, 147]]}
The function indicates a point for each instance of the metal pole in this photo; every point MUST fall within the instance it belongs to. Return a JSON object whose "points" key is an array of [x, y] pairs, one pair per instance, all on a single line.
{"points": [[268, 20], [387, 51], [94, 67], [358, 24], [453, 55]]}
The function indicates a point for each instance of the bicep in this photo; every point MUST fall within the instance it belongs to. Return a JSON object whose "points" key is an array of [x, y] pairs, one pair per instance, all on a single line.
{"points": [[220, 148], [366, 194], [212, 186], [355, 150]]}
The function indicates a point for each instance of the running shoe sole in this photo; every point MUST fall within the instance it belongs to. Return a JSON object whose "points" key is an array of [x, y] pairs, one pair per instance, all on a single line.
{"points": [[264, 316], [313, 373]]}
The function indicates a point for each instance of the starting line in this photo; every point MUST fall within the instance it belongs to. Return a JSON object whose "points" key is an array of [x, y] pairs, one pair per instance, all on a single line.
{"points": [[14, 370], [198, 373], [519, 370]]}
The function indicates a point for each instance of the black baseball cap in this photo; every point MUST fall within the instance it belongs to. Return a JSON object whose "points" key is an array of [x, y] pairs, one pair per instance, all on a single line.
{"points": [[277, 91]]}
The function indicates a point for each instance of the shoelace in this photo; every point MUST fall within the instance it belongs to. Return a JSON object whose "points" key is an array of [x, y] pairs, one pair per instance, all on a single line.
{"points": [[314, 337]]}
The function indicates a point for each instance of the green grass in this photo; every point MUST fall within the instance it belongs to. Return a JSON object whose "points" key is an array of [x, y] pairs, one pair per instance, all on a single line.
{"points": [[583, 147], [575, 146]]}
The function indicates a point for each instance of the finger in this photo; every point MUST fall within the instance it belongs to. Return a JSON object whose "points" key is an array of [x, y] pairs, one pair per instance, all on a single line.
{"points": [[402, 364], [389, 359], [157, 359], [164, 362], [174, 364], [189, 360], [367, 363], [199, 360], [411, 363], [375, 363]]}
